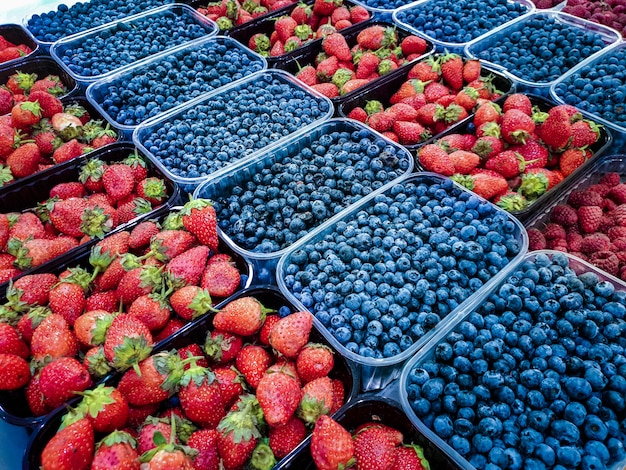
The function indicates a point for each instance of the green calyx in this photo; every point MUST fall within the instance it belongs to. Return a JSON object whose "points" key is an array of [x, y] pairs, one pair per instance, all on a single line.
{"points": [[341, 77], [95, 222], [449, 114], [303, 32], [78, 276], [373, 106], [492, 129], [223, 22], [533, 185], [512, 202], [311, 408], [118, 437], [6, 176], [243, 422], [154, 188], [100, 260], [97, 364], [130, 352], [93, 169], [171, 366], [134, 160], [262, 457], [173, 221], [25, 81], [464, 180], [194, 204], [32, 106], [16, 248]]}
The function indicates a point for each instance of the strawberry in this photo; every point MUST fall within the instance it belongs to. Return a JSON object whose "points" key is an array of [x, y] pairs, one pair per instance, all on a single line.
{"points": [[452, 70], [264, 334], [150, 428], [252, 361], [14, 371], [67, 299], [51, 84], [222, 347], [413, 45], [410, 457], [464, 162], [327, 68], [25, 114], [556, 130], [467, 98], [68, 151], [142, 233], [32, 253], [205, 442], [338, 396], [127, 341], [153, 380], [283, 439], [589, 218], [117, 450], [187, 267], [153, 190], [199, 218], [118, 181], [331, 445], [376, 37], [571, 159], [410, 88], [410, 133], [200, 396], [67, 190], [367, 65], [90, 328], [335, 45], [452, 142], [30, 290], [151, 311], [434, 158], [487, 112], [24, 160], [485, 185], [190, 302], [62, 121], [329, 90], [317, 399], [381, 121], [471, 70], [291, 333], [358, 114], [238, 435], [231, 384], [50, 104], [285, 27], [167, 244], [6, 102], [279, 395], [62, 378], [426, 71], [326, 7], [20, 83], [434, 91], [11, 343], [307, 75], [487, 147], [27, 324], [518, 101], [375, 447], [53, 338], [101, 137], [105, 406], [314, 361], [71, 448], [243, 316], [517, 126], [534, 153]]}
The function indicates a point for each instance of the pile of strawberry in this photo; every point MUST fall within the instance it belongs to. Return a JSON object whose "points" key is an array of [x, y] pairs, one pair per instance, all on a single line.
{"points": [[10, 51], [372, 445], [438, 92], [378, 51], [41, 132], [591, 225], [105, 196], [245, 396], [515, 154], [140, 288], [20, 84], [230, 13], [306, 23]]}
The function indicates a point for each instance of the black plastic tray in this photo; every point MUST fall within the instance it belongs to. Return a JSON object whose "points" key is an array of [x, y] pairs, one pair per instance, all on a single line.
{"points": [[13, 406], [379, 409], [386, 86], [196, 332], [18, 35], [306, 56], [544, 104], [28, 192], [42, 66], [265, 24]]}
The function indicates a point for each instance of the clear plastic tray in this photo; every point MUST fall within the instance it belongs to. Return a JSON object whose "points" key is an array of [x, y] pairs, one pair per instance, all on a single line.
{"points": [[42, 66], [188, 14], [427, 353], [143, 131], [222, 183], [350, 214], [18, 35], [98, 92], [440, 44], [618, 127], [477, 46]]}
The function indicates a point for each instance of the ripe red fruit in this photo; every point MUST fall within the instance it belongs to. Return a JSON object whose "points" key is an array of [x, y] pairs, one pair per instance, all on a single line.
{"points": [[14, 372], [291, 333], [331, 445], [71, 448]]}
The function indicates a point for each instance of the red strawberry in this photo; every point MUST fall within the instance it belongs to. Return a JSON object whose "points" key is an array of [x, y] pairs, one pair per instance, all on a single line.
{"points": [[517, 126], [434, 91], [571, 159], [53, 338], [20, 83], [187, 267], [382, 121], [464, 162], [518, 101], [284, 439], [410, 133], [117, 450], [50, 104], [243, 316], [91, 326], [168, 244], [199, 218], [471, 70], [377, 36], [205, 442], [307, 75], [410, 457], [200, 396], [434, 158], [317, 399], [314, 361], [127, 341], [190, 302], [467, 98], [11, 343], [487, 112], [374, 445], [231, 384], [25, 115], [153, 381], [331, 445], [222, 347], [68, 151], [24, 160], [14, 371], [151, 311], [335, 45], [556, 130], [32, 289], [291, 333], [285, 27], [118, 181], [413, 45], [238, 434], [106, 407], [153, 190], [358, 114], [485, 185], [329, 90], [71, 448], [452, 70], [367, 65], [427, 70], [326, 7], [534, 153], [62, 378], [279, 395], [142, 233], [68, 190], [252, 361], [68, 300], [51, 84], [221, 279]]}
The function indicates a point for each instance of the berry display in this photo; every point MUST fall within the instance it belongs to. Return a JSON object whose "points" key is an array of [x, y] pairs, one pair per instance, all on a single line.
{"points": [[515, 154], [231, 124], [174, 79], [610, 13], [546, 4], [228, 14], [209, 408], [459, 22], [10, 51], [306, 22], [103, 314], [123, 43], [535, 376], [539, 49], [277, 202], [433, 95], [380, 279], [20, 84], [64, 21], [589, 86]]}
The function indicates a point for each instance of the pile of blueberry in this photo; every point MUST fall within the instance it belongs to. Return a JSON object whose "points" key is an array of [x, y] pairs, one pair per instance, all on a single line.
{"points": [[56, 24], [175, 79], [535, 377], [599, 88], [128, 42], [383, 277], [278, 202], [232, 124], [540, 49], [460, 21]]}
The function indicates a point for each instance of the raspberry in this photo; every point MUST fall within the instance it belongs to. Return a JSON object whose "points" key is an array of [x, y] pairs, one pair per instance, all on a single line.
{"points": [[589, 218], [557, 244], [606, 223], [618, 193], [620, 243], [619, 215], [580, 255], [554, 231], [536, 240], [616, 232], [606, 260], [608, 205], [621, 256], [601, 189], [574, 241], [610, 179], [595, 242], [578, 198], [622, 273], [563, 214]]}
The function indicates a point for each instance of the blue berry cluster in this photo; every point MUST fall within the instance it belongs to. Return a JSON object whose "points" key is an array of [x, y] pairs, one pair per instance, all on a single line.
{"points": [[599, 88], [540, 49], [385, 276], [233, 124], [175, 79], [56, 24], [125, 43], [385, 4], [535, 378], [279, 202], [460, 21]]}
